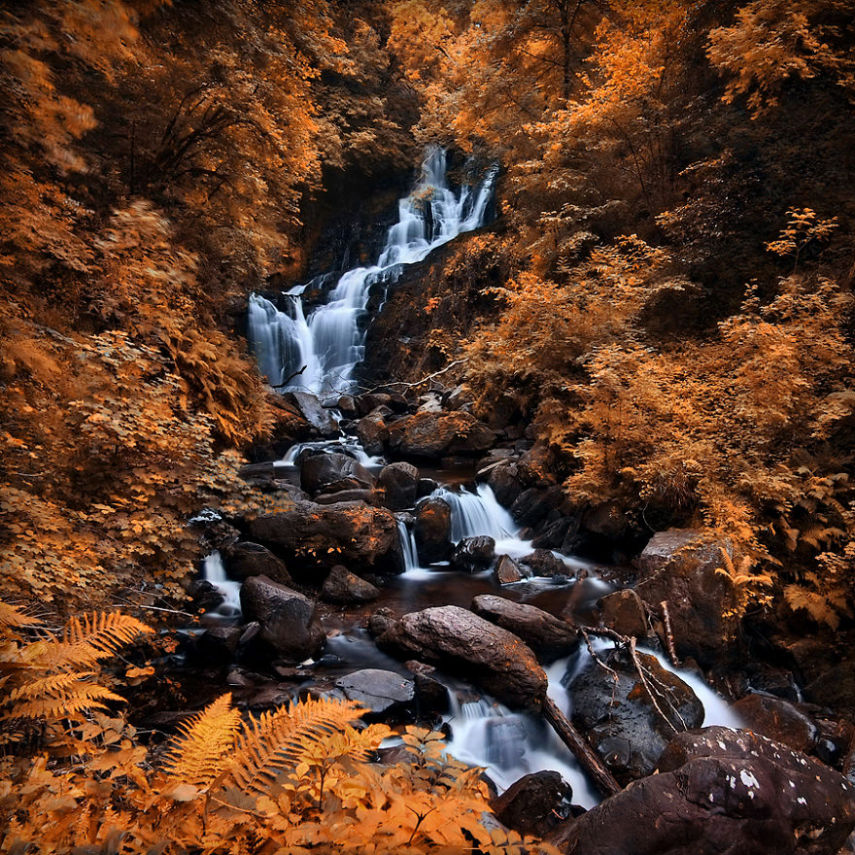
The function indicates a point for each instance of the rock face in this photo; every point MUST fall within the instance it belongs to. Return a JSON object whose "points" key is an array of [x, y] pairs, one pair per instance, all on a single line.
{"points": [[721, 792], [252, 559], [400, 481], [463, 642], [433, 530], [473, 554], [620, 719], [332, 473], [677, 566], [361, 536], [535, 804], [431, 435], [549, 637], [285, 617], [377, 690], [342, 586]]}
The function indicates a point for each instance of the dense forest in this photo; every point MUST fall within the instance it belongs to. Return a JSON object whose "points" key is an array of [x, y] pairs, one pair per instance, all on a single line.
{"points": [[596, 370]]}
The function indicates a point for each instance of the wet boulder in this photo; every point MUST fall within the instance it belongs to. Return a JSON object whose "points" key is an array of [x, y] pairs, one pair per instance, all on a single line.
{"points": [[777, 719], [325, 535], [473, 554], [460, 641], [432, 435], [313, 412], [332, 473], [372, 433], [207, 597], [284, 617], [247, 559], [342, 586], [381, 692], [630, 720], [433, 530], [624, 612], [548, 636], [535, 804], [508, 571], [508, 479], [534, 504], [679, 567], [720, 792], [400, 483], [542, 562]]}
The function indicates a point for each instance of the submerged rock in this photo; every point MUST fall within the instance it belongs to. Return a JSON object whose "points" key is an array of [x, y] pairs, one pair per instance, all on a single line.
{"points": [[549, 637], [461, 641], [618, 714]]}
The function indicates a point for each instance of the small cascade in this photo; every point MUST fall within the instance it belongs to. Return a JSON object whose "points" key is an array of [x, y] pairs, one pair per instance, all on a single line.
{"points": [[408, 547], [509, 745], [477, 513], [348, 445], [214, 571], [330, 342]]}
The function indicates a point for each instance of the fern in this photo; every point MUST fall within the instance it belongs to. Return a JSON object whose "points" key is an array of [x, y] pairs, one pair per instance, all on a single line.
{"points": [[278, 740], [202, 751]]}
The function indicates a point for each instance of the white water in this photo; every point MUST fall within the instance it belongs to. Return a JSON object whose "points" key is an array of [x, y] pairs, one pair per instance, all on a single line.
{"points": [[509, 745], [348, 445], [408, 548], [214, 571], [330, 342]]}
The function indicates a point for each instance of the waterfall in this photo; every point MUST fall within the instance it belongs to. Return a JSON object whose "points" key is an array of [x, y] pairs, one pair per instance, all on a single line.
{"points": [[476, 513], [214, 571], [330, 342], [408, 547]]}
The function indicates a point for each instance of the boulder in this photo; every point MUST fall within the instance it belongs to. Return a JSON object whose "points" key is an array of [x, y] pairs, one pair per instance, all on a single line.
{"points": [[542, 562], [621, 720], [357, 534], [535, 804], [346, 405], [400, 481], [473, 554], [624, 612], [368, 497], [381, 692], [342, 586], [247, 559], [433, 530], [426, 487], [508, 571], [218, 644], [461, 641], [777, 719], [372, 433], [207, 597], [534, 503], [680, 567], [285, 618], [549, 637], [434, 434], [369, 402], [508, 479], [313, 412], [720, 792], [555, 534], [332, 472]]}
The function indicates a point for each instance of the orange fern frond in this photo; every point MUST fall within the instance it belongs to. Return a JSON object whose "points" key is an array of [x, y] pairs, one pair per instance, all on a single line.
{"points": [[202, 750]]}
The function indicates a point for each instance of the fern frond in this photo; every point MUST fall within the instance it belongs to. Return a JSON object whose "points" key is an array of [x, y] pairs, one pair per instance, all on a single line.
{"points": [[104, 631], [276, 740], [202, 750], [11, 617], [53, 685], [74, 699]]}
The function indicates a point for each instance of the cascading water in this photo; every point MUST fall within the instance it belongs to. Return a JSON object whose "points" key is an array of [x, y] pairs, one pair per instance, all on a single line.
{"points": [[477, 513], [330, 342], [214, 571]]}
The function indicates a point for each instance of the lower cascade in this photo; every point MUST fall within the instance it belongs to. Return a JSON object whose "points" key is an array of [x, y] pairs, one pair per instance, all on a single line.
{"points": [[318, 353]]}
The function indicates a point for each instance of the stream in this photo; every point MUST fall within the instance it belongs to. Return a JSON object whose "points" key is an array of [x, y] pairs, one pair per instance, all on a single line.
{"points": [[327, 341]]}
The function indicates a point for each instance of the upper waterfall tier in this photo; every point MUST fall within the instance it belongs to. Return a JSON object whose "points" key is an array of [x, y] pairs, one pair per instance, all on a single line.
{"points": [[329, 343]]}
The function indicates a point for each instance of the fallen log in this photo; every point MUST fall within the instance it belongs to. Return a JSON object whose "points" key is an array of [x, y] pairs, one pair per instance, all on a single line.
{"points": [[586, 756]]}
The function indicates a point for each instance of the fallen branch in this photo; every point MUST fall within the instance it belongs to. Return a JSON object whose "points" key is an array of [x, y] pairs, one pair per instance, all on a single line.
{"points": [[416, 382], [288, 379], [586, 756], [669, 634]]}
